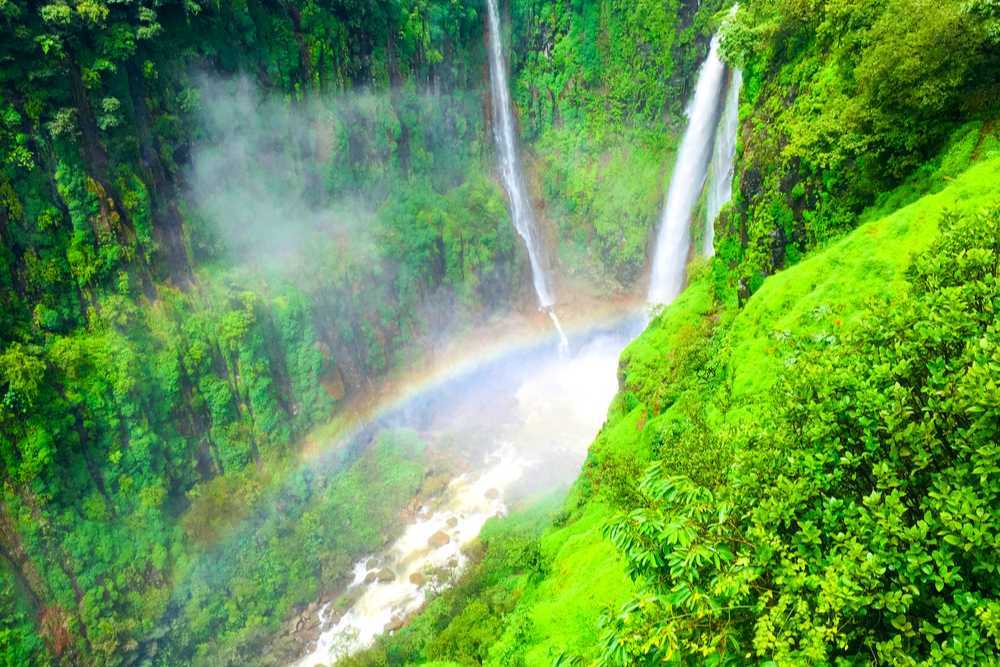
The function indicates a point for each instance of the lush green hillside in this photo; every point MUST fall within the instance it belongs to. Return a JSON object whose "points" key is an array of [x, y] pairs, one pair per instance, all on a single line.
{"points": [[777, 479], [842, 102], [221, 222]]}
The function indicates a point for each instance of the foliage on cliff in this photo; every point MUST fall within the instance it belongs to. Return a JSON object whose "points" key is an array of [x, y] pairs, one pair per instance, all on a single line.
{"points": [[854, 515], [217, 223], [842, 102]]}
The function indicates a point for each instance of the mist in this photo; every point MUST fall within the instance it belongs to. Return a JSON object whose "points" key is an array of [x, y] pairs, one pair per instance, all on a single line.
{"points": [[275, 181], [363, 201]]}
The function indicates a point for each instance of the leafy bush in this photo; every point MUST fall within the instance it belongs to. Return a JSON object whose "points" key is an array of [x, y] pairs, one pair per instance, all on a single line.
{"points": [[859, 518]]}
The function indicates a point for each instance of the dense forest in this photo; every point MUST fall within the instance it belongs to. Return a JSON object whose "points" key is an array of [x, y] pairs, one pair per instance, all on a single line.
{"points": [[223, 225]]}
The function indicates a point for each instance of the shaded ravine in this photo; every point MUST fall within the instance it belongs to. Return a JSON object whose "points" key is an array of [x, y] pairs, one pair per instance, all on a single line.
{"points": [[521, 396]]}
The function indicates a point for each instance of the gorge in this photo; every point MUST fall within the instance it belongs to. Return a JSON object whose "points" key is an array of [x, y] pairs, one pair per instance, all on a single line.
{"points": [[283, 382]]}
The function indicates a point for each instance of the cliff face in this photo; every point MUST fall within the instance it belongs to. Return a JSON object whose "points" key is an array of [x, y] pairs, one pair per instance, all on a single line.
{"points": [[841, 105], [219, 223], [150, 345]]}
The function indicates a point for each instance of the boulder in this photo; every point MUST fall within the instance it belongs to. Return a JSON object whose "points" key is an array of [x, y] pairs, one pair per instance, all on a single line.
{"points": [[417, 579], [492, 494], [438, 539], [385, 575]]}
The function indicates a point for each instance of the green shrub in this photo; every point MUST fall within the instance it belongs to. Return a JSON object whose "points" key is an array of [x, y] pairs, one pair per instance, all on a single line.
{"points": [[860, 517]]}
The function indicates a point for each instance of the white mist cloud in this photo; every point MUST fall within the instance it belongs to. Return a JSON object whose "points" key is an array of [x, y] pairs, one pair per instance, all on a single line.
{"points": [[259, 173]]}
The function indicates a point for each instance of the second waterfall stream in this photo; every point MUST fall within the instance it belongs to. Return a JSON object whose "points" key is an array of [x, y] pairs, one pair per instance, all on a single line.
{"points": [[673, 240], [510, 172]]}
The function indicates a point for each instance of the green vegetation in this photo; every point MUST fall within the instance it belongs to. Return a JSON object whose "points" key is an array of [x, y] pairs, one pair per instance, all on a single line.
{"points": [[843, 101], [221, 222], [847, 510], [816, 470], [269, 566]]}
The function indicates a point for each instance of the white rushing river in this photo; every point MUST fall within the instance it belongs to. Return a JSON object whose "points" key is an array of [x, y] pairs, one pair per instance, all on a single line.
{"points": [[543, 416]]}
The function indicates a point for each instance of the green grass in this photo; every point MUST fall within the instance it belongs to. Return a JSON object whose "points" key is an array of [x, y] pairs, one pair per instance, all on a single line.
{"points": [[825, 292], [565, 606]]}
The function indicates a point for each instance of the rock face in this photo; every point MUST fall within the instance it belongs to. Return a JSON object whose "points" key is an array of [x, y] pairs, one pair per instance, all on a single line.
{"points": [[438, 539]]}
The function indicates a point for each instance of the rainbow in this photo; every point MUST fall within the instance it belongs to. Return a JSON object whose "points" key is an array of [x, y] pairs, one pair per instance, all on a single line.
{"points": [[461, 360]]}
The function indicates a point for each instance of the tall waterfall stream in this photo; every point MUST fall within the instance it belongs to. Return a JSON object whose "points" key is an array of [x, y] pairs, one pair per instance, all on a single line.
{"points": [[521, 211]]}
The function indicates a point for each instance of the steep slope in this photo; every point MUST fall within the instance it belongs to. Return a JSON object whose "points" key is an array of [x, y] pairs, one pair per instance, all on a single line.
{"points": [[698, 377]]}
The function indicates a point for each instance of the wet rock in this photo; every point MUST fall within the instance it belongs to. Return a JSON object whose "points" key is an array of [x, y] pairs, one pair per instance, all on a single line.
{"points": [[385, 575], [438, 539], [452, 522], [395, 624], [434, 485], [417, 579], [371, 577], [345, 601], [492, 494]]}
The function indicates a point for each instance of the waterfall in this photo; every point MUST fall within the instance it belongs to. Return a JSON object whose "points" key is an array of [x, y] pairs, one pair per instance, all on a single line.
{"points": [[510, 167], [674, 238], [720, 173], [563, 341]]}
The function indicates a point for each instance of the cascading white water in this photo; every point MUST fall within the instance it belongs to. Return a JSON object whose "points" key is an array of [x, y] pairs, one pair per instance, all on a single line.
{"points": [[389, 587], [510, 167], [720, 172], [674, 238]]}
